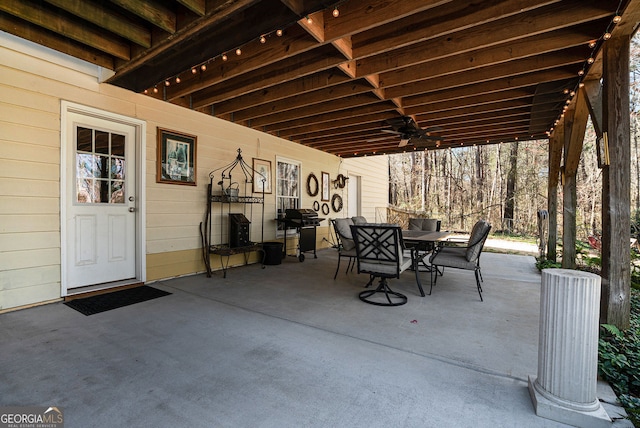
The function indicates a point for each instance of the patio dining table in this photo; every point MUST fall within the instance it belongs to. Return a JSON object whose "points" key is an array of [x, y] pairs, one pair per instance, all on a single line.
{"points": [[423, 242]]}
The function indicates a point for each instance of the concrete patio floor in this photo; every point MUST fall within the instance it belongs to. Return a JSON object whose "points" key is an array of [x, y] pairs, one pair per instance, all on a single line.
{"points": [[287, 346]]}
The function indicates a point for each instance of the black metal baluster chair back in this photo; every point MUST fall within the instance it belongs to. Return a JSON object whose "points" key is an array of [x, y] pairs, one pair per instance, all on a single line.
{"points": [[380, 253]]}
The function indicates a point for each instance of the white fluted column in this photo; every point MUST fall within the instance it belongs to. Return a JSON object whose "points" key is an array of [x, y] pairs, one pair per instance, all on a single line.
{"points": [[565, 388]]}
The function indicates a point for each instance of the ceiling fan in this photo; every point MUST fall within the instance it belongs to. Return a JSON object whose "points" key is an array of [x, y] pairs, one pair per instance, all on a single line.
{"points": [[410, 132]]}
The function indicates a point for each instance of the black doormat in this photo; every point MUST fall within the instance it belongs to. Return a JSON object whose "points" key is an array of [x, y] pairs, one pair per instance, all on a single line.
{"points": [[117, 299]]}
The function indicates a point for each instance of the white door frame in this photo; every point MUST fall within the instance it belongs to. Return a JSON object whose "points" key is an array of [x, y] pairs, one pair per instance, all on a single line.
{"points": [[141, 133]]}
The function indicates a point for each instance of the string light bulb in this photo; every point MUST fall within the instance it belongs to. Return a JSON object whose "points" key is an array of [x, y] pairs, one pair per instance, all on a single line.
{"points": [[581, 73], [336, 12], [193, 70], [607, 35], [155, 89], [309, 20], [178, 79], [146, 91], [279, 33], [592, 44], [617, 19], [263, 39], [590, 60], [203, 67], [225, 57], [167, 83], [238, 52]]}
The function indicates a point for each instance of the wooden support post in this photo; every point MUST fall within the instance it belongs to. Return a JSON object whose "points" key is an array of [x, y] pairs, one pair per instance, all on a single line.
{"points": [[575, 126], [555, 157], [616, 198], [569, 203]]}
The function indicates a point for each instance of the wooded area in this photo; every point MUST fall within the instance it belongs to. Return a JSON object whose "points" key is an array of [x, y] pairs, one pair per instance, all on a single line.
{"points": [[507, 183]]}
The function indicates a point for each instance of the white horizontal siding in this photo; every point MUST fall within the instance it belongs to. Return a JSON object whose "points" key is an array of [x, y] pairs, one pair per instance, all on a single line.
{"points": [[31, 92]]}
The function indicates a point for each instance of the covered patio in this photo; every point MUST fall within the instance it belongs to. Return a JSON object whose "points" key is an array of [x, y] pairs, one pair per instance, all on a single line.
{"points": [[287, 346]]}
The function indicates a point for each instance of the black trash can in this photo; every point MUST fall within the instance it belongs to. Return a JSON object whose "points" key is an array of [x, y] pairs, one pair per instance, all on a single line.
{"points": [[272, 253]]}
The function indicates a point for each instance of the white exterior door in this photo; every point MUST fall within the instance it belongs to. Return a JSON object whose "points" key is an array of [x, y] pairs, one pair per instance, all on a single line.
{"points": [[99, 163]]}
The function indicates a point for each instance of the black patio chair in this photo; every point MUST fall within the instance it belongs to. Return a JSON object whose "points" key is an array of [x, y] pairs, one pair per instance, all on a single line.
{"points": [[346, 245], [462, 255], [381, 253]]}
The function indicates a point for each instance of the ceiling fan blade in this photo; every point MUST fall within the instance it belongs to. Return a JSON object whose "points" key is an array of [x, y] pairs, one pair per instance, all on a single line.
{"points": [[373, 140], [392, 131], [403, 142]]}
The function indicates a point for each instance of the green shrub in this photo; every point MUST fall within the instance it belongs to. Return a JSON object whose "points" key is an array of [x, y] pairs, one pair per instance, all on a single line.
{"points": [[543, 263], [619, 360]]}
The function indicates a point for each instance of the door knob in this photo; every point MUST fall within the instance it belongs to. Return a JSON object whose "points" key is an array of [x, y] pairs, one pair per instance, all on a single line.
{"points": [[132, 209]]}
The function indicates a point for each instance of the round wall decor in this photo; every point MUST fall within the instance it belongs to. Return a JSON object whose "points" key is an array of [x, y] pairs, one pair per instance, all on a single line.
{"points": [[336, 202], [312, 185]]}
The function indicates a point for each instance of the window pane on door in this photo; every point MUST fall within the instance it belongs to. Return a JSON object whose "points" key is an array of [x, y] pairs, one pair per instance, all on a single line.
{"points": [[84, 139], [100, 166], [102, 142], [117, 145]]}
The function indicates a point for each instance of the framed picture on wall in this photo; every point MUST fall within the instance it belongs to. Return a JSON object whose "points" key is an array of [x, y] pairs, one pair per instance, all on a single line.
{"points": [[176, 158], [326, 187], [261, 176]]}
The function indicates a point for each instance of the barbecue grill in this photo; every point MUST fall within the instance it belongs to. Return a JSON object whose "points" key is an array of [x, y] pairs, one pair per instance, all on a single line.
{"points": [[305, 221]]}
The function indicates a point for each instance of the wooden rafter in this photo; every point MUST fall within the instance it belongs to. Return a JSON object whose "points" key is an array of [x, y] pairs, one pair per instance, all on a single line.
{"points": [[482, 71]]}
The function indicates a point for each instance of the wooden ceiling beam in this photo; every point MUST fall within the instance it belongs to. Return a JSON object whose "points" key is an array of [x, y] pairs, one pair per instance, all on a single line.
{"points": [[537, 21], [296, 87], [299, 101], [526, 65], [36, 34], [338, 124], [493, 86], [381, 106], [52, 20], [360, 15], [371, 137], [193, 44], [458, 16], [575, 56], [196, 6], [500, 54], [480, 99], [293, 68], [108, 19], [151, 11], [434, 118], [486, 125], [474, 134], [301, 113], [332, 134], [482, 115], [255, 56]]}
